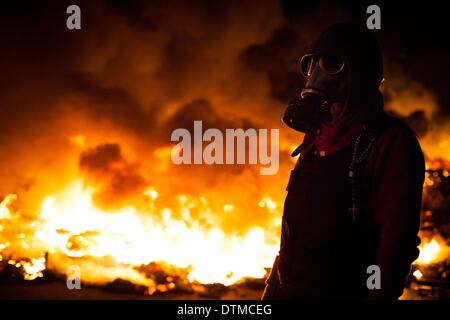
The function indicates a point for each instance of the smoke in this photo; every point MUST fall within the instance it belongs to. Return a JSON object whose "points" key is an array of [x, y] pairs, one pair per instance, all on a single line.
{"points": [[128, 77], [118, 183], [101, 102], [278, 57]]}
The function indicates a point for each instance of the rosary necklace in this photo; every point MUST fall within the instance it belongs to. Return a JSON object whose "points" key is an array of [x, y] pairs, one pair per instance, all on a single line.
{"points": [[351, 173]]}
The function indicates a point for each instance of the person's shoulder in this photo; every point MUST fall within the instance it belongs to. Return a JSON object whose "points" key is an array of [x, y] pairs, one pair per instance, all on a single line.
{"points": [[396, 140], [395, 128], [394, 133]]}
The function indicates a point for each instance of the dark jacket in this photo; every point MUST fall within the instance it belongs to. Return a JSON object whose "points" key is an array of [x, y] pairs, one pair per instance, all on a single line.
{"points": [[325, 251]]}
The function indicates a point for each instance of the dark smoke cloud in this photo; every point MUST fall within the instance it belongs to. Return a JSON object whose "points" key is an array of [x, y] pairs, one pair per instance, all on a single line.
{"points": [[117, 182], [202, 109], [278, 58], [114, 103]]}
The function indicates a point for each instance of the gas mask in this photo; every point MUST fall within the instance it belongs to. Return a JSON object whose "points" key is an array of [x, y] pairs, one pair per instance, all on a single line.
{"points": [[326, 83]]}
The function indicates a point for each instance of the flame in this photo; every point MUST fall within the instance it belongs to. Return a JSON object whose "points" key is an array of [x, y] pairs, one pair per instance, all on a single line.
{"points": [[78, 140], [111, 244], [70, 224], [34, 268], [4, 206], [429, 252], [418, 274]]}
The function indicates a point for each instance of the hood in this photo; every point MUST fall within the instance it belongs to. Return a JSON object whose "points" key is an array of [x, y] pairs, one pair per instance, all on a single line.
{"points": [[360, 48]]}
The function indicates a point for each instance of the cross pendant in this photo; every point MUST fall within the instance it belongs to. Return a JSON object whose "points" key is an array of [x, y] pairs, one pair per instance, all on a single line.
{"points": [[353, 210]]}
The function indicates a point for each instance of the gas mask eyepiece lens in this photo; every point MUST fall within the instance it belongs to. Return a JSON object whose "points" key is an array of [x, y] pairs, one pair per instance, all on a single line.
{"points": [[307, 64], [329, 64]]}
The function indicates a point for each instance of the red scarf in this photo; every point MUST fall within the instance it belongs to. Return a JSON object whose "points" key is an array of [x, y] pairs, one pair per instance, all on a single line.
{"points": [[328, 141], [335, 136]]}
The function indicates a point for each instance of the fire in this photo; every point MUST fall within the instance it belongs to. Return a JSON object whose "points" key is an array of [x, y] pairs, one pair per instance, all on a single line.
{"points": [[70, 225], [4, 210], [34, 268], [180, 237], [430, 252], [418, 274]]}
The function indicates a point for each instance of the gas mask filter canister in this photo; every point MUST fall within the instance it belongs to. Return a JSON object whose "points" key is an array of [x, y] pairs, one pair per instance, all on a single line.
{"points": [[325, 84]]}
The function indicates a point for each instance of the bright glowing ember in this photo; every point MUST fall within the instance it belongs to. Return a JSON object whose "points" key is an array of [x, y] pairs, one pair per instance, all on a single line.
{"points": [[431, 252]]}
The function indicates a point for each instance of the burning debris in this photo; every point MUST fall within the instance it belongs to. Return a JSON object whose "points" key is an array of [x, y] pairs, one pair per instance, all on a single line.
{"points": [[150, 250], [147, 253], [430, 275]]}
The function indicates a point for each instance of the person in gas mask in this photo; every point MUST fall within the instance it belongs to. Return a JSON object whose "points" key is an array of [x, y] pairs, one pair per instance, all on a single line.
{"points": [[354, 196]]}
